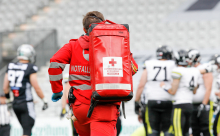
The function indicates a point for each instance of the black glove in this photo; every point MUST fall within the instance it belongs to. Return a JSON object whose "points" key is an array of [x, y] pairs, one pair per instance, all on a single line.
{"points": [[200, 109], [45, 106], [137, 107], [63, 112]]}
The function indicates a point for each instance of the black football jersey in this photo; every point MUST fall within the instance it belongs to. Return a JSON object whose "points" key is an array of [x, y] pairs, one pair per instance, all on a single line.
{"points": [[19, 78]]}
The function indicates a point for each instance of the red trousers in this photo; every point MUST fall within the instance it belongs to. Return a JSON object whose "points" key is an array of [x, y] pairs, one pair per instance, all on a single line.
{"points": [[101, 123]]}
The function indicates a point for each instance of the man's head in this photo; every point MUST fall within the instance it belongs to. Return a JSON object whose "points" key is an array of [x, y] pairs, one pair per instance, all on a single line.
{"points": [[181, 58], [164, 52], [92, 17], [26, 52], [194, 57]]}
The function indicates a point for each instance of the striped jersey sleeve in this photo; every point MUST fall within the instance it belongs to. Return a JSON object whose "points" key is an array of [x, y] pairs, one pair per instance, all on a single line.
{"points": [[57, 65], [176, 73]]}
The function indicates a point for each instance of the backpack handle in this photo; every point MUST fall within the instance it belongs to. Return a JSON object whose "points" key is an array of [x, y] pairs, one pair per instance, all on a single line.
{"points": [[109, 21]]}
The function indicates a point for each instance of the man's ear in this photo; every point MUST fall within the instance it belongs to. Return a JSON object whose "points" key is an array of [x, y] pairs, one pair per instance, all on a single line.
{"points": [[84, 30]]}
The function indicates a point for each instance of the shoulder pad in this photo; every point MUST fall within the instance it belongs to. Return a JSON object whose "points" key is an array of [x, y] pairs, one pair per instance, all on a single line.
{"points": [[176, 74]]}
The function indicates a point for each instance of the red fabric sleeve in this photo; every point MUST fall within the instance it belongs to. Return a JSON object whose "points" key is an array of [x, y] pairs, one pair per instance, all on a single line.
{"points": [[134, 65], [57, 64]]}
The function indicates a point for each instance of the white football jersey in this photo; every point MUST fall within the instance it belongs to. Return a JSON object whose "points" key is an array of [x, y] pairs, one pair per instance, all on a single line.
{"points": [[215, 87], [188, 81], [200, 94], [158, 71], [218, 82]]}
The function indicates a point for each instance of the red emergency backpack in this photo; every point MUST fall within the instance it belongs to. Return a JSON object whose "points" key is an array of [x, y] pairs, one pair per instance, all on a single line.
{"points": [[110, 63]]}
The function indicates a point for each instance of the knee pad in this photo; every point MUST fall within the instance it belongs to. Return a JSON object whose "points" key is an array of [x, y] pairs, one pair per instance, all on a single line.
{"points": [[154, 133], [168, 134]]}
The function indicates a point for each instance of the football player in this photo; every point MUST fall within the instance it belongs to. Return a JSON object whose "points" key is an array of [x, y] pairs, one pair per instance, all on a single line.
{"points": [[216, 126], [159, 109], [184, 85], [202, 106], [20, 77]]}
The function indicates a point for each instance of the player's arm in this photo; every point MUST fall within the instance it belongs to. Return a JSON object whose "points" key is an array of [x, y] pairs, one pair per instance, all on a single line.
{"points": [[64, 99], [176, 75], [217, 93], [34, 83], [174, 86], [141, 85], [209, 68], [140, 89], [6, 84], [203, 71], [195, 89], [65, 96], [208, 79]]}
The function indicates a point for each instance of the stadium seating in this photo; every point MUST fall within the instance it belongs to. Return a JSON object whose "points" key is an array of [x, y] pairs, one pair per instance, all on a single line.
{"points": [[14, 12], [144, 17]]}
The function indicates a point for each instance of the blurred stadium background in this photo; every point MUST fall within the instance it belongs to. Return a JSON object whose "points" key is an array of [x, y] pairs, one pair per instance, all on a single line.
{"points": [[49, 24]]}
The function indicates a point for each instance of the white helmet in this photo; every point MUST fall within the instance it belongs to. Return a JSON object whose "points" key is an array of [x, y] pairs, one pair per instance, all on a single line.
{"points": [[26, 52], [194, 56]]}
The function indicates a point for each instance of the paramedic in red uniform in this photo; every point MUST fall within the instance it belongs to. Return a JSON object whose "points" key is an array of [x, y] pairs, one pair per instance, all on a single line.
{"points": [[104, 117]]}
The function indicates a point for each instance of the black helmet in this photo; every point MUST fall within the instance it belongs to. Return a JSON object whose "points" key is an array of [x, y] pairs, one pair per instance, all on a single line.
{"points": [[194, 56], [181, 57], [164, 52]]}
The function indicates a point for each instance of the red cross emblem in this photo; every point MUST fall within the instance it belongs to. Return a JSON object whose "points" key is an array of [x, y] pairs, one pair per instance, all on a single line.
{"points": [[112, 62]]}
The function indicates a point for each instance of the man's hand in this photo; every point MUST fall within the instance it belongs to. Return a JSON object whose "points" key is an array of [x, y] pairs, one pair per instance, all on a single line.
{"points": [[140, 119], [137, 107], [45, 106], [201, 108], [74, 118], [57, 96], [162, 84], [63, 113], [2, 100]]}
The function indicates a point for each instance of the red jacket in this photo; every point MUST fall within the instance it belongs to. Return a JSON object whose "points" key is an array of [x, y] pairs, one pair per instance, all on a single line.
{"points": [[75, 53]]}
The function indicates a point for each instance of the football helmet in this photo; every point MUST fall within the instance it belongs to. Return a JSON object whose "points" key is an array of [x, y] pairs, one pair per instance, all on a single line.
{"points": [[26, 52], [194, 56], [164, 52], [181, 57], [217, 60]]}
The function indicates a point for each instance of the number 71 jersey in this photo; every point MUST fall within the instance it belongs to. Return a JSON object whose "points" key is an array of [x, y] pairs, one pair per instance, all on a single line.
{"points": [[158, 71], [19, 80]]}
